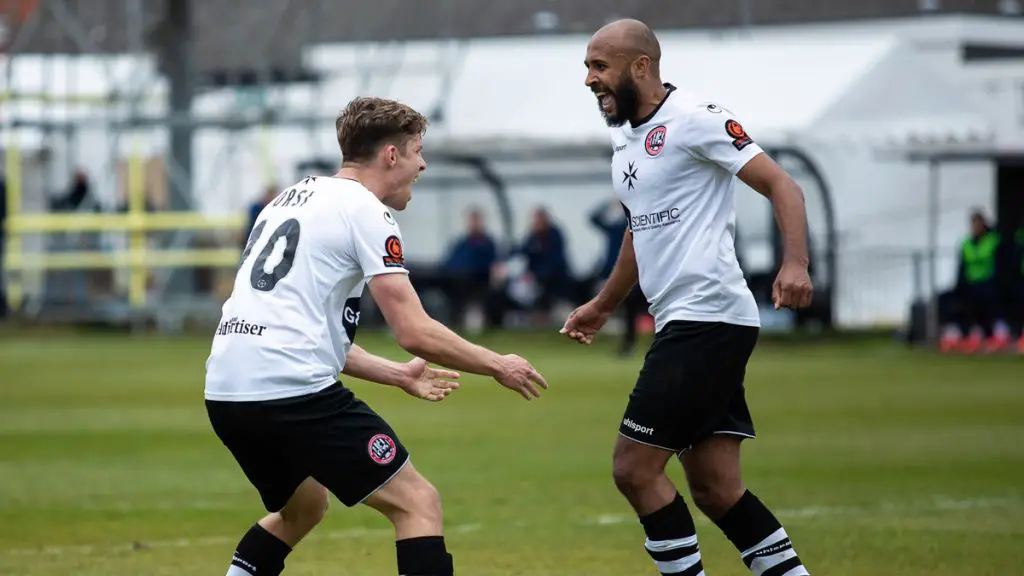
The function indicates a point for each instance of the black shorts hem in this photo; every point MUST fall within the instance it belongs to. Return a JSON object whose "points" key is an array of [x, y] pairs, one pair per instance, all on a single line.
{"points": [[741, 435], [357, 501], [638, 441]]}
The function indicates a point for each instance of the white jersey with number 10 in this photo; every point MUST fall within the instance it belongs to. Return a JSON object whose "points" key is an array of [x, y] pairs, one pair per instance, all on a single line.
{"points": [[294, 309]]}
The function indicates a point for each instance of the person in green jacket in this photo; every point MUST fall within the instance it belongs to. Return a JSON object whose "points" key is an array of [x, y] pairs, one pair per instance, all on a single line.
{"points": [[978, 288]]}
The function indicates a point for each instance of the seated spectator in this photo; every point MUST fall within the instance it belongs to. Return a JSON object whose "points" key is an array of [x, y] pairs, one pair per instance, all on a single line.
{"points": [[469, 265], [977, 287], [546, 263]]}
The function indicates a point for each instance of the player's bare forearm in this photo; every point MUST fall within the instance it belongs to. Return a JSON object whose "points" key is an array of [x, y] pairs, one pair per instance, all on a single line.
{"points": [[791, 217], [361, 364], [766, 177], [421, 335], [435, 342], [622, 279]]}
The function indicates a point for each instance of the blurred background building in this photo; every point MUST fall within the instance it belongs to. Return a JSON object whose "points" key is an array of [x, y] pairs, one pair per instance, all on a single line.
{"points": [[139, 136]]}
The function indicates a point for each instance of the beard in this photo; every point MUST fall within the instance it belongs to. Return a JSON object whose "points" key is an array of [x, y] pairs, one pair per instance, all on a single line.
{"points": [[627, 101]]}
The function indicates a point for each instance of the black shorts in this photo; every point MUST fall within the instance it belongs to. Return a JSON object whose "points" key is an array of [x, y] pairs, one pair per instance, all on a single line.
{"points": [[330, 435], [691, 386]]}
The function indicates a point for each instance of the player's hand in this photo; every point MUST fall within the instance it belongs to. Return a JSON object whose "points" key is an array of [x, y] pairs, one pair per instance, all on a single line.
{"points": [[517, 374], [431, 384], [792, 287], [584, 322]]}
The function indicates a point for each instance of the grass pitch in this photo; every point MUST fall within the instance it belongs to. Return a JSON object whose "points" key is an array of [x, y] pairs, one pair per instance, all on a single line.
{"points": [[878, 460]]}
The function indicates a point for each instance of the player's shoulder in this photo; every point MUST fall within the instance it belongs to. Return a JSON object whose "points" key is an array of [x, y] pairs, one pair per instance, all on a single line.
{"points": [[696, 109]]}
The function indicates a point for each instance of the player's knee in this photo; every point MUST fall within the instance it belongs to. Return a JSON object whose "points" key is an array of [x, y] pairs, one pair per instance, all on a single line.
{"points": [[425, 501], [309, 508], [713, 498], [632, 476], [415, 501]]}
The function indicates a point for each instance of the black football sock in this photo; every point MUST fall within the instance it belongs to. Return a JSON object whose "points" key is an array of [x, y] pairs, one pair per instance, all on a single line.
{"points": [[424, 556], [762, 541], [672, 539], [259, 553]]}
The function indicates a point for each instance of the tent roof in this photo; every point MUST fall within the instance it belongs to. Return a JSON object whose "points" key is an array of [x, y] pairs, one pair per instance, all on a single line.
{"points": [[783, 87]]}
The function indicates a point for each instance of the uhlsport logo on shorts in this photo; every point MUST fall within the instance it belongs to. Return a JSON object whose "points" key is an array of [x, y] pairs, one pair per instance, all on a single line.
{"points": [[637, 428], [382, 449]]}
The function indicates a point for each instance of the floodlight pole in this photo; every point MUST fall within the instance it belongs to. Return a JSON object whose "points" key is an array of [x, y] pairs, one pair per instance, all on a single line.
{"points": [[932, 325]]}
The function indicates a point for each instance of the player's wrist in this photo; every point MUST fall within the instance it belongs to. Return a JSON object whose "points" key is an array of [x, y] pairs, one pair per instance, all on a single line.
{"points": [[494, 365], [406, 376], [605, 302], [801, 261]]}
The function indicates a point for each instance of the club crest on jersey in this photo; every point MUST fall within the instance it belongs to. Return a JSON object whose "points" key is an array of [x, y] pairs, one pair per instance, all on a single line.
{"points": [[739, 136], [395, 257], [655, 141], [382, 449]]}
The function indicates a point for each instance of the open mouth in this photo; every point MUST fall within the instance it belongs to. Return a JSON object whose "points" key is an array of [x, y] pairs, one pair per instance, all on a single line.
{"points": [[606, 100]]}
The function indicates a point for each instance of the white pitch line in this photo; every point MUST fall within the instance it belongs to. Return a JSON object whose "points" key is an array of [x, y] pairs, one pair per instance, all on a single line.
{"points": [[939, 503]]}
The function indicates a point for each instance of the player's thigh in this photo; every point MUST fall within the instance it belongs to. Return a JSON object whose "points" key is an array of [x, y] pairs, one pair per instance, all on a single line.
{"points": [[347, 447], [713, 463], [255, 437], [687, 383], [407, 492]]}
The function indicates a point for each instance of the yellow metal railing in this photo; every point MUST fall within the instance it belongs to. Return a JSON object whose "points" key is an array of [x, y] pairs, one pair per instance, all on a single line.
{"points": [[136, 222]]}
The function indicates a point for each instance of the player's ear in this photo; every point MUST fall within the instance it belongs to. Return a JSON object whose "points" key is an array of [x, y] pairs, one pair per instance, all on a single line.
{"points": [[390, 153], [641, 66]]}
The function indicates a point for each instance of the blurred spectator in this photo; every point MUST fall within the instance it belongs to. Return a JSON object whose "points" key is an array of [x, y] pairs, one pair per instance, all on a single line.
{"points": [[468, 267], [3, 239], [546, 263], [76, 195], [269, 193], [1017, 271], [610, 219], [977, 288]]}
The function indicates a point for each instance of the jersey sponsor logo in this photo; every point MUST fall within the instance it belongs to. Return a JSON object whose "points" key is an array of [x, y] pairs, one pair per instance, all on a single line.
{"points": [[638, 428], [713, 108], [620, 148], [350, 317], [237, 326], [735, 131], [389, 218], [382, 449], [395, 254], [654, 220], [655, 141]]}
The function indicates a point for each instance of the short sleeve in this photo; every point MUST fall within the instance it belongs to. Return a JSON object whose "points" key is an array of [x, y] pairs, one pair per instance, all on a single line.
{"points": [[376, 241], [716, 135]]}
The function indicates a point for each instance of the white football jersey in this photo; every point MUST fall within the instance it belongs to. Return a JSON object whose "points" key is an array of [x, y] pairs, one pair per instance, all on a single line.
{"points": [[674, 174], [294, 309]]}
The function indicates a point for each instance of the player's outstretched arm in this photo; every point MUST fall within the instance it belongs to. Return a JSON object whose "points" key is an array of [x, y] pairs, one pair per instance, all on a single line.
{"points": [[792, 288], [427, 338], [584, 322], [414, 377]]}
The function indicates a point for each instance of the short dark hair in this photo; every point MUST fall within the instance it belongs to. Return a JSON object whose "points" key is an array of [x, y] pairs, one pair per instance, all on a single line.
{"points": [[367, 123]]}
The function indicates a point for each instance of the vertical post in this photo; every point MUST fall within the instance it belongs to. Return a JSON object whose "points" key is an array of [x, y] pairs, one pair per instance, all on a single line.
{"points": [[933, 247], [179, 65], [136, 233]]}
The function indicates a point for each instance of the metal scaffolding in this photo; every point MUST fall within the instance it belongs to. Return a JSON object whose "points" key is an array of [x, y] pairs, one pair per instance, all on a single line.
{"points": [[144, 104]]}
